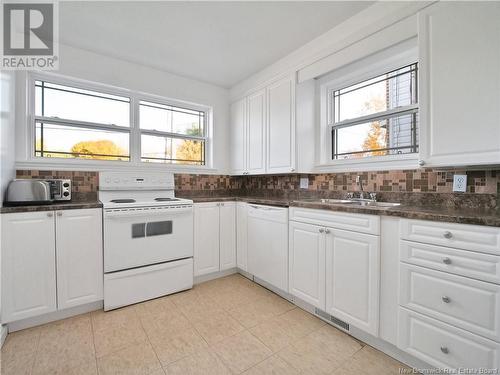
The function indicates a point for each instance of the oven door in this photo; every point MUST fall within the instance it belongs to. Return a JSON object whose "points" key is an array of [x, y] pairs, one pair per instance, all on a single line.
{"points": [[142, 236]]}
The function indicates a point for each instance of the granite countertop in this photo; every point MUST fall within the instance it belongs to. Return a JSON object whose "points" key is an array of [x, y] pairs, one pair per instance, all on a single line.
{"points": [[444, 214], [55, 206]]}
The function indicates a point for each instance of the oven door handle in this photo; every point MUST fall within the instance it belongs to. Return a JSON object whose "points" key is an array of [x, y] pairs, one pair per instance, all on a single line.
{"points": [[138, 213]]}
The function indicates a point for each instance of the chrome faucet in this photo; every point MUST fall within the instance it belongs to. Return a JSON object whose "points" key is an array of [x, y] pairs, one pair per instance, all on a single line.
{"points": [[359, 181]]}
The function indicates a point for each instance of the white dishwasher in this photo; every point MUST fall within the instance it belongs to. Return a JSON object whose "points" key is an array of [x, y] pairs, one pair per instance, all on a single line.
{"points": [[268, 244]]}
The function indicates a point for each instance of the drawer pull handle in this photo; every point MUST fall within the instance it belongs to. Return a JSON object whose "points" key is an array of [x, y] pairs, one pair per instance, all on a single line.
{"points": [[447, 234], [446, 260], [327, 231], [321, 230], [445, 350], [446, 299]]}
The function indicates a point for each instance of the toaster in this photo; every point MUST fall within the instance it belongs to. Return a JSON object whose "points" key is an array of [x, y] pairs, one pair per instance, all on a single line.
{"points": [[34, 191]]}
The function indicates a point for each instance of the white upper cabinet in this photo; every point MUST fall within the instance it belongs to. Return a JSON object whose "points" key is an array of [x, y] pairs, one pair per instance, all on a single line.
{"points": [[263, 130], [281, 126], [256, 133], [227, 233], [238, 137], [79, 257], [28, 265], [459, 46]]}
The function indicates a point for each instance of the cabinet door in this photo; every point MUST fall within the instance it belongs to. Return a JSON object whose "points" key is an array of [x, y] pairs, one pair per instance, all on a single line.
{"points": [[460, 83], [281, 126], [28, 265], [227, 230], [242, 236], [256, 132], [352, 278], [307, 263], [238, 137], [206, 238], [79, 257]]}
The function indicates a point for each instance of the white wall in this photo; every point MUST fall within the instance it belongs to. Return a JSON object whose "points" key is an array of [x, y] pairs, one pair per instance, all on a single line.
{"points": [[94, 67], [7, 129]]}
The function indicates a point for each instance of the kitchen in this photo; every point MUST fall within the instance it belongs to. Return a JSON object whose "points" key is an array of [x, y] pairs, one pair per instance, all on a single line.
{"points": [[233, 197]]}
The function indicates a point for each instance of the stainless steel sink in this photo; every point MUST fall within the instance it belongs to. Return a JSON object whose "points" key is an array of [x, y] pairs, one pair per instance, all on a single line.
{"points": [[360, 202]]}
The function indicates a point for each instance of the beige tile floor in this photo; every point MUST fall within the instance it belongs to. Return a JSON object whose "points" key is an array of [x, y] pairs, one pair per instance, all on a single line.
{"points": [[225, 326]]}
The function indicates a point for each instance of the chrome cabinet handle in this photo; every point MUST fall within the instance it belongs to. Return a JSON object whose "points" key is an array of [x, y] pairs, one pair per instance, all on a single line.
{"points": [[421, 162], [321, 230], [446, 260], [444, 349], [222, 204], [327, 231], [447, 234], [446, 299], [59, 213], [50, 214]]}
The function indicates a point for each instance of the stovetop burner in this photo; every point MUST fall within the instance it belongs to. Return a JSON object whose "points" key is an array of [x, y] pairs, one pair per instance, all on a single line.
{"points": [[129, 200], [166, 199]]}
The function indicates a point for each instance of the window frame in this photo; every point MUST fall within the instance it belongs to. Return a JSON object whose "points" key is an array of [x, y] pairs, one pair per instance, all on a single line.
{"points": [[159, 133], [388, 60], [28, 134]]}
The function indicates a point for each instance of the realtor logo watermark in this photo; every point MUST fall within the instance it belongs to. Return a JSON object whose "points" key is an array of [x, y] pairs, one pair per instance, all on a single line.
{"points": [[29, 36]]}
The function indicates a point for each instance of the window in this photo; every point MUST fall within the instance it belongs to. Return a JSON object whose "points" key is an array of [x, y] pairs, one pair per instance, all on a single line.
{"points": [[375, 117], [82, 122], [75, 123], [171, 134]]}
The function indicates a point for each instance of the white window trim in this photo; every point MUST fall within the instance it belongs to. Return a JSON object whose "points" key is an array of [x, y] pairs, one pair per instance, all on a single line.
{"points": [[25, 155], [387, 60]]}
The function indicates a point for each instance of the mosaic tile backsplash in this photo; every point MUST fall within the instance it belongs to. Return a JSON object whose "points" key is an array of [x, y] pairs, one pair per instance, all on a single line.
{"points": [[483, 187]]}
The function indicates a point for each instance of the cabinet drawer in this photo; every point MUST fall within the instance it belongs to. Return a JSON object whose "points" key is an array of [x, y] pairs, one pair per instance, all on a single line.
{"points": [[466, 303], [341, 220], [445, 346], [462, 236], [460, 262]]}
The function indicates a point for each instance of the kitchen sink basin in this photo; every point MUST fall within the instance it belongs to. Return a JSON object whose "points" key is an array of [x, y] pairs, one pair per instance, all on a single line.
{"points": [[359, 202]]}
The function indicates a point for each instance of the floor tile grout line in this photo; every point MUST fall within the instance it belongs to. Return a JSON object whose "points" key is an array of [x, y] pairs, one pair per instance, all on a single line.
{"points": [[149, 340], [93, 342]]}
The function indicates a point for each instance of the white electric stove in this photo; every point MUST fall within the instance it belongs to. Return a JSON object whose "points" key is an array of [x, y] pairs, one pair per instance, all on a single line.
{"points": [[148, 237]]}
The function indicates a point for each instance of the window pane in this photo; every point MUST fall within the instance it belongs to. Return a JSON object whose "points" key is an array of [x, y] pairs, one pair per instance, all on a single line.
{"points": [[172, 150], [70, 103], [388, 91], [397, 135], [171, 119], [59, 141]]}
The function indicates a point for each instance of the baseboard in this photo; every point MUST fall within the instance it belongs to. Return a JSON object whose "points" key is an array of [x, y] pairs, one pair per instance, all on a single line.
{"points": [[51, 317], [214, 275], [273, 289], [245, 273], [3, 334]]}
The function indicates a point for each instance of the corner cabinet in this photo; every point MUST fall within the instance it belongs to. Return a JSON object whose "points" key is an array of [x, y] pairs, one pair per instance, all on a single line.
{"points": [[214, 237], [459, 48], [51, 260], [263, 130]]}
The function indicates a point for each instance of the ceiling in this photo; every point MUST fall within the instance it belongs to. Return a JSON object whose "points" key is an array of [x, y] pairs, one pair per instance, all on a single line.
{"points": [[217, 42]]}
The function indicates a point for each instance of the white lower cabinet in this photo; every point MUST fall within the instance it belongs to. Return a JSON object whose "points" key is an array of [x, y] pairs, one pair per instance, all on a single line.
{"points": [[449, 294], [214, 237], [227, 238], [307, 263], [242, 236], [352, 278], [79, 257], [28, 265], [50, 264], [443, 345], [337, 271]]}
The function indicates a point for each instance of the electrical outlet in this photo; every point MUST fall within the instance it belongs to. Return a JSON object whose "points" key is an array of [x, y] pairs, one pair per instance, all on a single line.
{"points": [[460, 183], [304, 182]]}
